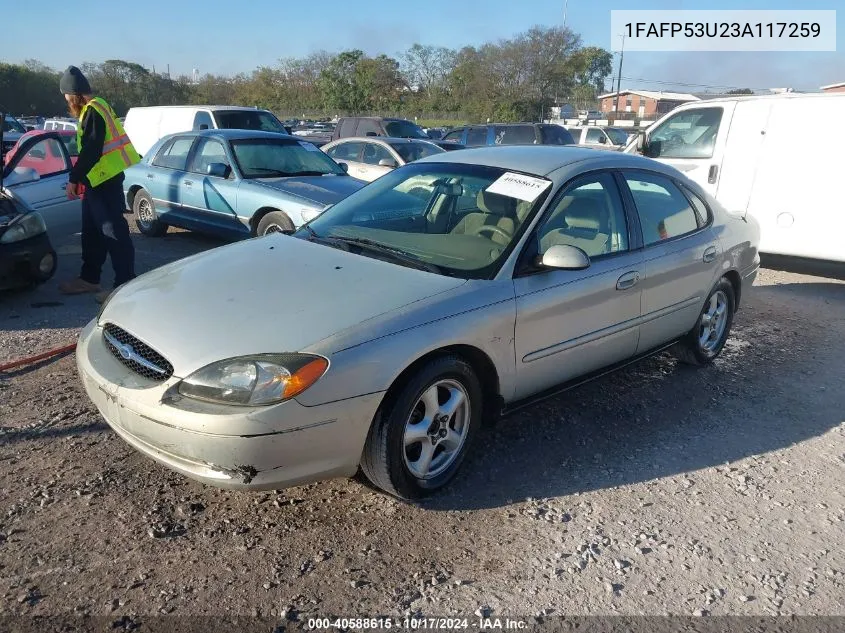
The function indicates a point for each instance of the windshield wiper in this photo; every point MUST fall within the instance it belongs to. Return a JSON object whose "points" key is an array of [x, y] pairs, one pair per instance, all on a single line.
{"points": [[396, 253], [308, 173], [271, 172]]}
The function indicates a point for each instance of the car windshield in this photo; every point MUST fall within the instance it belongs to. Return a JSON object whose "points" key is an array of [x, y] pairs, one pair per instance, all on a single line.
{"points": [[452, 218], [11, 125], [617, 136], [272, 158], [414, 151], [248, 120], [404, 129]]}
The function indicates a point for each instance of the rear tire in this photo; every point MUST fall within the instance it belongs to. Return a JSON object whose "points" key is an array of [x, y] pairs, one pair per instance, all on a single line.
{"points": [[706, 340], [274, 222], [146, 217], [422, 432]]}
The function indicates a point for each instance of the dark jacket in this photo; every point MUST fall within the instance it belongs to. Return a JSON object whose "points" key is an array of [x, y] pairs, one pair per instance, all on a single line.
{"points": [[91, 149]]}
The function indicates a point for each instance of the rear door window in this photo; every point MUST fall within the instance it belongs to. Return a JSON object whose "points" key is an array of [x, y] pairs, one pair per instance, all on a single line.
{"points": [[664, 211], [174, 154], [375, 153]]}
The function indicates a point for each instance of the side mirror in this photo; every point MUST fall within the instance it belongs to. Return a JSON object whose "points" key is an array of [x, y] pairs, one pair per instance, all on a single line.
{"points": [[204, 126], [602, 140], [565, 257], [344, 167], [387, 162], [219, 170]]}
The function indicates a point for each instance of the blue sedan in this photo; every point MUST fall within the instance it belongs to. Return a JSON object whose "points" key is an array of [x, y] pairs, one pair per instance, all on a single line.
{"points": [[233, 183]]}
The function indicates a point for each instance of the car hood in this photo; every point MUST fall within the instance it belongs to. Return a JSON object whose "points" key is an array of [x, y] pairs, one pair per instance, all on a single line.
{"points": [[321, 190], [271, 294]]}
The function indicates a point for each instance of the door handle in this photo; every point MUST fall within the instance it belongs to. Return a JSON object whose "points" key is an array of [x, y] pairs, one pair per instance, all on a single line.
{"points": [[713, 174], [628, 280], [709, 254], [189, 183], [150, 176]]}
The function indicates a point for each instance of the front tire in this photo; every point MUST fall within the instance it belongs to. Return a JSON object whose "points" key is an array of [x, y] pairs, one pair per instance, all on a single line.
{"points": [[707, 339], [275, 222], [146, 217], [423, 432]]}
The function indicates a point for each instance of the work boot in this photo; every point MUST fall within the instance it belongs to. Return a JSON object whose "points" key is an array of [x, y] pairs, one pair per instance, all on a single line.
{"points": [[77, 286]]}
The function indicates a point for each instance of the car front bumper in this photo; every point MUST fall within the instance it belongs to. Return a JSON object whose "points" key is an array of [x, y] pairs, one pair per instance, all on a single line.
{"points": [[263, 448], [21, 262]]}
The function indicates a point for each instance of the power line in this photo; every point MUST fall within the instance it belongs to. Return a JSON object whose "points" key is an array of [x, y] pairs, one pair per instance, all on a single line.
{"points": [[686, 85]]}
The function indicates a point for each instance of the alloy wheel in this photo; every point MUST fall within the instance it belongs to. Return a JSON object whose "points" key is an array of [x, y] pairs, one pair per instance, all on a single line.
{"points": [[714, 319], [437, 429]]}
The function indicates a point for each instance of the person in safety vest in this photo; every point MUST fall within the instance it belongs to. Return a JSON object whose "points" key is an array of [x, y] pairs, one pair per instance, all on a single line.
{"points": [[104, 153]]}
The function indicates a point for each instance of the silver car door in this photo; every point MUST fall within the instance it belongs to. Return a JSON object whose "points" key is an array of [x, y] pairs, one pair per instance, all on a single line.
{"points": [[572, 322], [38, 175], [682, 255]]}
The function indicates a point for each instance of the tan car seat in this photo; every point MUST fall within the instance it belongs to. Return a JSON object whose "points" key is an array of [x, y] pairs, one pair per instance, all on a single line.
{"points": [[494, 210], [586, 220]]}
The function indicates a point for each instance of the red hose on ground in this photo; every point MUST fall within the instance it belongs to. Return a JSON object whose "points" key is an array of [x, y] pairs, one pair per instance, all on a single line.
{"points": [[32, 359]]}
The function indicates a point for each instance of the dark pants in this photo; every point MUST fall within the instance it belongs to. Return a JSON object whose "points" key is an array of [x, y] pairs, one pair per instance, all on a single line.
{"points": [[105, 232]]}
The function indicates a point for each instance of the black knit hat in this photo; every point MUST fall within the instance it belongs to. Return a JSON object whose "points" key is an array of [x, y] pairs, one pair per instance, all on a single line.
{"points": [[73, 82]]}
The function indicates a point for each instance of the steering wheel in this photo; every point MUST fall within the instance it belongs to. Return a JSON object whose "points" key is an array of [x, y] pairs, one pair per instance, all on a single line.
{"points": [[493, 229], [677, 139]]}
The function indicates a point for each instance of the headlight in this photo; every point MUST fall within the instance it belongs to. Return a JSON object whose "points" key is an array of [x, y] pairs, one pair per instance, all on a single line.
{"points": [[255, 380], [29, 225], [309, 214]]}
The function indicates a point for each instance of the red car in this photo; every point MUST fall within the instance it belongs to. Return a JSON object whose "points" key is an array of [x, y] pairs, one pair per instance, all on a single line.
{"points": [[42, 163]]}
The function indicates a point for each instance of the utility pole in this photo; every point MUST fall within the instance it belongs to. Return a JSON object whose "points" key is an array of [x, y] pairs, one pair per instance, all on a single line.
{"points": [[619, 78], [565, 5]]}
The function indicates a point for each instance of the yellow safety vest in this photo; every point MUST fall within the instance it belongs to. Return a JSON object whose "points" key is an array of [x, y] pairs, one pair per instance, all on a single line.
{"points": [[118, 151]]}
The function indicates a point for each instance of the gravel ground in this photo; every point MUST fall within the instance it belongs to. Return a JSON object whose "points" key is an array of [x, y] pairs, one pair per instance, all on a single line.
{"points": [[658, 490]]}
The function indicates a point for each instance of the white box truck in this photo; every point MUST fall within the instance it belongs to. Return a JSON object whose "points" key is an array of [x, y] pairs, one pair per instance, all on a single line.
{"points": [[779, 158], [145, 126]]}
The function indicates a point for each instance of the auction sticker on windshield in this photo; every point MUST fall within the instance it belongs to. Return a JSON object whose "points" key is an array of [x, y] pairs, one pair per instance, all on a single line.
{"points": [[519, 186], [309, 146]]}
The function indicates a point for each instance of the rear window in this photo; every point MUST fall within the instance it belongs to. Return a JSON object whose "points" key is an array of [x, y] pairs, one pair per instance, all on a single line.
{"points": [[556, 135], [515, 135]]}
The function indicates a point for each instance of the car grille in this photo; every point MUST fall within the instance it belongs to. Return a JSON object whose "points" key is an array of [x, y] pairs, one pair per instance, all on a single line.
{"points": [[136, 355]]}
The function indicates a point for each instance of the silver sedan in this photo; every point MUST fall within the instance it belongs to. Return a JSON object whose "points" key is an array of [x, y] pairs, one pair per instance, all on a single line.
{"points": [[386, 332]]}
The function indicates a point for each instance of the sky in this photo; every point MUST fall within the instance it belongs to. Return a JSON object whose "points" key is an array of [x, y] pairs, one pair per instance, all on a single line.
{"points": [[222, 36]]}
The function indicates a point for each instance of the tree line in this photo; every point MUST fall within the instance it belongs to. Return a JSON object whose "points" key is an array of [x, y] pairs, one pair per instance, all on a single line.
{"points": [[509, 80]]}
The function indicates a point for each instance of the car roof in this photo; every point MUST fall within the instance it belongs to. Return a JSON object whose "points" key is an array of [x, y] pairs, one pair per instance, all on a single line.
{"points": [[383, 139], [237, 134], [213, 108], [542, 159]]}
